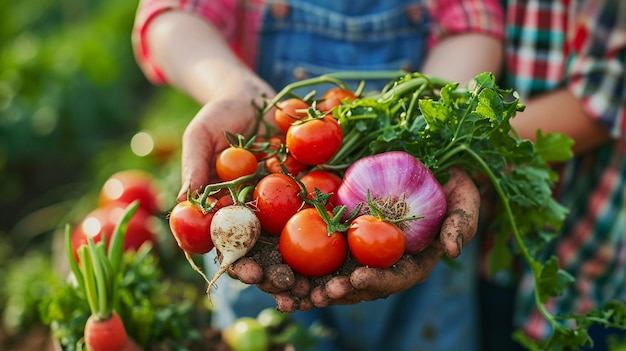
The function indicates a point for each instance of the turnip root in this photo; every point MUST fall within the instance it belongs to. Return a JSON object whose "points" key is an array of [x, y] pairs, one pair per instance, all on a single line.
{"points": [[234, 231]]}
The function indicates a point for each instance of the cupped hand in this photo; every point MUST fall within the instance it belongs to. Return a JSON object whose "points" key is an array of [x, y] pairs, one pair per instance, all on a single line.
{"points": [[235, 110], [294, 292]]}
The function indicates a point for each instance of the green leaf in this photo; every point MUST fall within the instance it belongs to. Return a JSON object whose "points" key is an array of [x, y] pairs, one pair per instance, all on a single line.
{"points": [[553, 147], [552, 281], [490, 106], [485, 79]]}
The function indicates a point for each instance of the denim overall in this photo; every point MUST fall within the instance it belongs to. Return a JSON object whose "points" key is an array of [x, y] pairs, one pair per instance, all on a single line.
{"points": [[302, 39]]}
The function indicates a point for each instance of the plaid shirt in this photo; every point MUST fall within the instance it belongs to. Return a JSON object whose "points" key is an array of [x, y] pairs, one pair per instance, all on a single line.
{"points": [[239, 21], [579, 45]]}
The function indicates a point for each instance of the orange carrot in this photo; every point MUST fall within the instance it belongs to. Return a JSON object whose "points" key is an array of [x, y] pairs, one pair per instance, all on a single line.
{"points": [[105, 334]]}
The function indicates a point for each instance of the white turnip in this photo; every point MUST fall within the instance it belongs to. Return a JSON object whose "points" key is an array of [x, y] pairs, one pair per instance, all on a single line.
{"points": [[234, 231]]}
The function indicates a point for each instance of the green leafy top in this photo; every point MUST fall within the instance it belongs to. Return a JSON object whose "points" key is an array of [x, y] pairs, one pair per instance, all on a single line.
{"points": [[469, 129], [445, 125]]}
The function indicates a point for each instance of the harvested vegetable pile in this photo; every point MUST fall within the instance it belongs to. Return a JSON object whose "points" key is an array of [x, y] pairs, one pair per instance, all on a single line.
{"points": [[339, 168]]}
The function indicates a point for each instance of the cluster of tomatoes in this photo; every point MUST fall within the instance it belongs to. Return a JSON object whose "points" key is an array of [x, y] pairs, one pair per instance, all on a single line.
{"points": [[118, 191], [294, 198]]}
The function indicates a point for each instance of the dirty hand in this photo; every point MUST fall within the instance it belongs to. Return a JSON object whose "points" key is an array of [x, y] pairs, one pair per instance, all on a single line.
{"points": [[295, 292]]}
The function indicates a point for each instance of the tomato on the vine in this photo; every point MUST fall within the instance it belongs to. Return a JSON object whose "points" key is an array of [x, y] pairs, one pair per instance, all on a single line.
{"points": [[263, 148], [225, 200], [326, 182], [306, 246], [335, 97], [191, 227], [374, 242], [315, 141], [289, 111], [277, 198], [234, 162], [293, 166]]}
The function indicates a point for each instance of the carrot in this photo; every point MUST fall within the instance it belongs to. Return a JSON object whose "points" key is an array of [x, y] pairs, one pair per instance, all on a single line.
{"points": [[105, 334], [97, 276]]}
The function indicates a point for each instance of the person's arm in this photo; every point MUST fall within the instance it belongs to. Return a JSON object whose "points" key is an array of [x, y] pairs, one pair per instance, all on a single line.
{"points": [[590, 107], [460, 57], [193, 56], [560, 112], [466, 38]]}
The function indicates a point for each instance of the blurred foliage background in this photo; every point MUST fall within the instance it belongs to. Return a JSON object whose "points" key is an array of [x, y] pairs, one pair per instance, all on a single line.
{"points": [[71, 100], [74, 108]]}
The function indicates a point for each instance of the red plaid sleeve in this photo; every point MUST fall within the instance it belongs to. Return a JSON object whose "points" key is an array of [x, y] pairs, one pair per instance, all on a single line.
{"points": [[466, 16], [218, 12]]}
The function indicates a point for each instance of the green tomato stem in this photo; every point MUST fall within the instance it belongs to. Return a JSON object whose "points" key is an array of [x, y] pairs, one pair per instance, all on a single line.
{"points": [[232, 185], [301, 84]]}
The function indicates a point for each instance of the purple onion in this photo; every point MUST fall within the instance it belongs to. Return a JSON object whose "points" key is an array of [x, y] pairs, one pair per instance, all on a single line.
{"points": [[400, 186]]}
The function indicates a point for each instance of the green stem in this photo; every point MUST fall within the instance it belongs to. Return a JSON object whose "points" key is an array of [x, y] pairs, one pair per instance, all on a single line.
{"points": [[301, 84], [509, 213], [455, 139], [86, 269], [369, 75], [101, 280], [337, 79], [482, 165], [214, 188], [413, 85], [347, 146], [415, 100], [72, 259], [116, 250], [333, 224]]}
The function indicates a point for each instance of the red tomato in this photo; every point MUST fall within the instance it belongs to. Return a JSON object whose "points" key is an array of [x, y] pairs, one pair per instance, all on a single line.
{"points": [[307, 248], [287, 112], [374, 242], [334, 97], [261, 151], [294, 167], [326, 182], [191, 228], [277, 198], [225, 200], [316, 141], [130, 185], [104, 219], [234, 162]]}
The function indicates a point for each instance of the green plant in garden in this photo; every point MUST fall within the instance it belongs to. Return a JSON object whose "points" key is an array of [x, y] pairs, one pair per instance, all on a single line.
{"points": [[112, 283], [69, 88]]}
